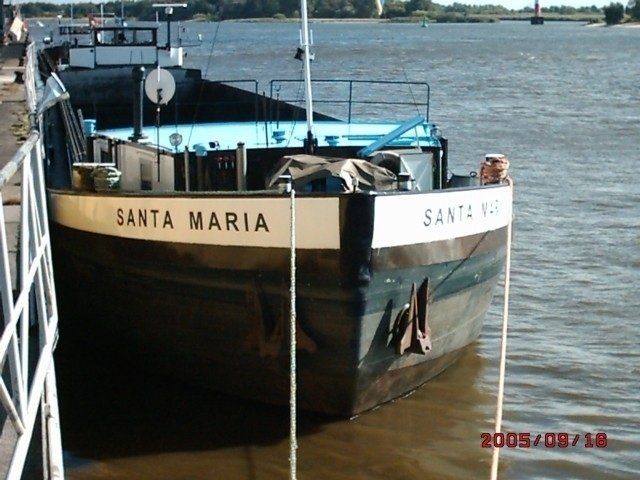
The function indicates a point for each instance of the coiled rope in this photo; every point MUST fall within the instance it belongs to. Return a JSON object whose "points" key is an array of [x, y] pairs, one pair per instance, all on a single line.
{"points": [[293, 441], [494, 168], [503, 350]]}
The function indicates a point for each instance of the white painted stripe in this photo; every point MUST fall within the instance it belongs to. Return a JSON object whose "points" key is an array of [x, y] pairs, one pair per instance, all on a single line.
{"points": [[250, 222], [440, 215]]}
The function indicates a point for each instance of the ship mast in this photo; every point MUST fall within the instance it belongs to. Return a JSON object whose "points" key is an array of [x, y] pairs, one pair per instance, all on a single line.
{"points": [[306, 59]]}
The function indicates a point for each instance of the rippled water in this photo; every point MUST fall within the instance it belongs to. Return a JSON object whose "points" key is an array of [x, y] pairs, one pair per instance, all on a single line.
{"points": [[562, 102]]}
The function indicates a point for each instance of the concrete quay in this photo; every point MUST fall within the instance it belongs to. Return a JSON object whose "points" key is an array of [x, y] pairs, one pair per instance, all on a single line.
{"points": [[14, 129]]}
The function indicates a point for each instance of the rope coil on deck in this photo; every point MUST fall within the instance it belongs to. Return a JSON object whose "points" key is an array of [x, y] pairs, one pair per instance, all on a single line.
{"points": [[494, 169]]}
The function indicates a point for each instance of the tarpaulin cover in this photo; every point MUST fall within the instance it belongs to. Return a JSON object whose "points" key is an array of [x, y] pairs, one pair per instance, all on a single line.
{"points": [[355, 175]]}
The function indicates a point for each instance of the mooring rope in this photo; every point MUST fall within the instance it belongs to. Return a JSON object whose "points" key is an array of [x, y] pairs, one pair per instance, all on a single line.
{"points": [[503, 351], [293, 441], [204, 75]]}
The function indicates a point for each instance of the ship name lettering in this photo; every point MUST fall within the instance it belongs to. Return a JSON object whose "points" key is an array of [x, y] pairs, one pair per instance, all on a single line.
{"points": [[228, 221], [490, 208], [448, 216], [143, 217]]}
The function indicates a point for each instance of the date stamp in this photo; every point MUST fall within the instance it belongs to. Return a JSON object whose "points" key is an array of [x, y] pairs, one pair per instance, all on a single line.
{"points": [[546, 440]]}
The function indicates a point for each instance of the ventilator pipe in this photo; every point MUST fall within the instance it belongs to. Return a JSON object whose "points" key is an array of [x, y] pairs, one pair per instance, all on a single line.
{"points": [[138, 79]]}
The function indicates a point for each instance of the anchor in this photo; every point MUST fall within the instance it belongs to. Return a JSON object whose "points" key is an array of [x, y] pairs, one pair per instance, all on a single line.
{"points": [[269, 344], [413, 332]]}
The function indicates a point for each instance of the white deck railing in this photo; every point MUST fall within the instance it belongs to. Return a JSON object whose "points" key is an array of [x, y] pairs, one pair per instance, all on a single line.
{"points": [[29, 309]]}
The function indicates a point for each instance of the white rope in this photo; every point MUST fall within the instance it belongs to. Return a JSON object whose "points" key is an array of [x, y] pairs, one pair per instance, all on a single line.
{"points": [[293, 442], [503, 352]]}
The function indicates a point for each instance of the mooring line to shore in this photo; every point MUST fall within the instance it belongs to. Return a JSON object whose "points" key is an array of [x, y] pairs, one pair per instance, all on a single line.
{"points": [[503, 350], [293, 441]]}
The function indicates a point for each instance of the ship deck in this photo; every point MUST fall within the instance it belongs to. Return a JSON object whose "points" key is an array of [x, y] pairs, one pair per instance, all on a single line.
{"points": [[287, 134]]}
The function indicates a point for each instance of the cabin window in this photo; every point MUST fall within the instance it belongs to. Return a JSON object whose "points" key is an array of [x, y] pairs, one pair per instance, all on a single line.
{"points": [[142, 37]]}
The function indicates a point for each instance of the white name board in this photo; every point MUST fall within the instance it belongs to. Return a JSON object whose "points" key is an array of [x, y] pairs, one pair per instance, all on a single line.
{"points": [[251, 222], [433, 216]]}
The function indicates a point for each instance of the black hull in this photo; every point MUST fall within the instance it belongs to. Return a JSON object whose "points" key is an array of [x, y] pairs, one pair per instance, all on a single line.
{"points": [[220, 320]]}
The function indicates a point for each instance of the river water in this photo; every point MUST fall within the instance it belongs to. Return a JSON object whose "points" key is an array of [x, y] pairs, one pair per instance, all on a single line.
{"points": [[562, 102]]}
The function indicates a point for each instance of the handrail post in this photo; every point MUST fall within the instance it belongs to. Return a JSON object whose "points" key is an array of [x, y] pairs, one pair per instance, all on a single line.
{"points": [[350, 99]]}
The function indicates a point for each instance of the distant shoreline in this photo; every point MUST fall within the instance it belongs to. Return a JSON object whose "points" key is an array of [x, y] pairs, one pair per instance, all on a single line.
{"points": [[415, 21]]}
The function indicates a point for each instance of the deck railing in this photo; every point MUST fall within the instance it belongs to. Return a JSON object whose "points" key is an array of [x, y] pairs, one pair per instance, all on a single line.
{"points": [[28, 383], [407, 98]]}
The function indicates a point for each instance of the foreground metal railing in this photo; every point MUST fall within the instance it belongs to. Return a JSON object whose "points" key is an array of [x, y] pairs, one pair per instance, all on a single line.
{"points": [[28, 382]]}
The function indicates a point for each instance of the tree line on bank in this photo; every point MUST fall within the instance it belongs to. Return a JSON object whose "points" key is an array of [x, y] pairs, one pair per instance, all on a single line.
{"points": [[217, 10], [614, 13]]}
